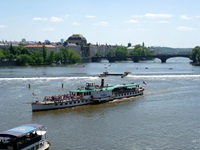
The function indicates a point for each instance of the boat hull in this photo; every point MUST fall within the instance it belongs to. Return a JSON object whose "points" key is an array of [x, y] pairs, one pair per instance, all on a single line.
{"points": [[42, 106], [127, 95]]}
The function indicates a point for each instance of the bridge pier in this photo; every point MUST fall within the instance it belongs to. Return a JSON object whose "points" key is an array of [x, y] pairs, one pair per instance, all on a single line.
{"points": [[111, 59], [135, 59], [163, 60], [95, 59]]}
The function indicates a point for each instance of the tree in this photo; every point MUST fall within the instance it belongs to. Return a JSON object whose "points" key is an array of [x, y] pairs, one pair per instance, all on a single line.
{"points": [[51, 58], [195, 54], [12, 50], [37, 58], [119, 52], [24, 59], [22, 50], [70, 56], [2, 56], [140, 50], [64, 52], [75, 58], [111, 53], [58, 56], [44, 53]]}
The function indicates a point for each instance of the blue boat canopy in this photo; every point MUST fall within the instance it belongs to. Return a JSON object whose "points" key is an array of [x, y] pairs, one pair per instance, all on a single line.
{"points": [[20, 130]]}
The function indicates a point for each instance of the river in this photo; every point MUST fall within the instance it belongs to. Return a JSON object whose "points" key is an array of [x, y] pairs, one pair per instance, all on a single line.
{"points": [[166, 117]]}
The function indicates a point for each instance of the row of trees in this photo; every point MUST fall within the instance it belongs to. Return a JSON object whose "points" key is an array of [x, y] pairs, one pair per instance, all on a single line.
{"points": [[122, 52], [24, 56]]}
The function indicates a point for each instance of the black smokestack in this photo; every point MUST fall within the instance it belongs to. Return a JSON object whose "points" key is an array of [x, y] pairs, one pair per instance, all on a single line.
{"points": [[102, 82]]}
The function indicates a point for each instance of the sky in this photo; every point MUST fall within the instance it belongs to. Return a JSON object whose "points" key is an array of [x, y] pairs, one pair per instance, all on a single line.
{"points": [[169, 23]]}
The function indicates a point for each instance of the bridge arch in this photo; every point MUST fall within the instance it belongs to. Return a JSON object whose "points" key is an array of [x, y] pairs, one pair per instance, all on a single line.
{"points": [[99, 59], [162, 57]]}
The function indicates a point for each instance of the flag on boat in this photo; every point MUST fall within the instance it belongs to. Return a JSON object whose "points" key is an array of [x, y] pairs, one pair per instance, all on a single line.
{"points": [[144, 83]]}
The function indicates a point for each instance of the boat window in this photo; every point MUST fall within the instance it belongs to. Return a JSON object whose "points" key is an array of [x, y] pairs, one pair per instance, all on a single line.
{"points": [[74, 102], [89, 84], [66, 103], [79, 94], [70, 102]]}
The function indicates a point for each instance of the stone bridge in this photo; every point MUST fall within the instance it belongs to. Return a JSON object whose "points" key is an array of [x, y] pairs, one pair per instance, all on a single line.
{"points": [[162, 57]]}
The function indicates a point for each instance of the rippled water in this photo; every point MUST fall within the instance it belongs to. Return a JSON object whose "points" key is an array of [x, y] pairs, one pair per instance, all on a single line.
{"points": [[166, 117]]}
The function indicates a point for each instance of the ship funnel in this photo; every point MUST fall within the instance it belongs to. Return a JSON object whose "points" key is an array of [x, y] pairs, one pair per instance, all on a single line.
{"points": [[102, 82]]}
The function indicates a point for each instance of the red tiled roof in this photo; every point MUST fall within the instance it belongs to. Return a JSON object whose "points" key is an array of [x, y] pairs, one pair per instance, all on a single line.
{"points": [[39, 46]]}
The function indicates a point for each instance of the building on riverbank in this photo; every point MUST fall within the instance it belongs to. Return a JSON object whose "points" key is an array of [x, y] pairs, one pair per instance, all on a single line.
{"points": [[39, 47], [76, 42]]}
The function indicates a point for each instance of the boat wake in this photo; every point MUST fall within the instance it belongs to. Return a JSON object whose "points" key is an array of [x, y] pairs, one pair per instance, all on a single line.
{"points": [[171, 76], [49, 78]]}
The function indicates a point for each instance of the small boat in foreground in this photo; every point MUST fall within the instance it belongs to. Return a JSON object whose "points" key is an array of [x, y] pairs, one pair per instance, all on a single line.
{"points": [[89, 94], [25, 137]]}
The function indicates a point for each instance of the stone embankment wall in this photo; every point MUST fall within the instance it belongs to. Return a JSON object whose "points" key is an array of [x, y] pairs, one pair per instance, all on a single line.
{"points": [[7, 62]]}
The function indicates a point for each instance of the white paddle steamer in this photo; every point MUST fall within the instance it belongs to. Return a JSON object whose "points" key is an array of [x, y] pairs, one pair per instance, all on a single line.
{"points": [[89, 94]]}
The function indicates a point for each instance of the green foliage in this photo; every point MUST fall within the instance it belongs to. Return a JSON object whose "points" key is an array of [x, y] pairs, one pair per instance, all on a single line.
{"points": [[119, 52], [37, 58], [44, 53], [24, 59], [111, 53], [22, 50], [58, 56], [70, 56], [97, 55], [75, 58], [195, 54], [12, 50], [140, 50], [51, 58], [64, 52], [2, 56]]}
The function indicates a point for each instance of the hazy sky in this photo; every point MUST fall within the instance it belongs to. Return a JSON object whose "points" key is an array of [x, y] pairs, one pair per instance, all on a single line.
{"points": [[171, 23]]}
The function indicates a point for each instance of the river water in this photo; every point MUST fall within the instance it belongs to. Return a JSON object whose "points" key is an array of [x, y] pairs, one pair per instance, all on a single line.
{"points": [[166, 117]]}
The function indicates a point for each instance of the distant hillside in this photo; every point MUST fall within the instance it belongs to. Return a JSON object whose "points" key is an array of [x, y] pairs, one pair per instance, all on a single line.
{"points": [[169, 50]]}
